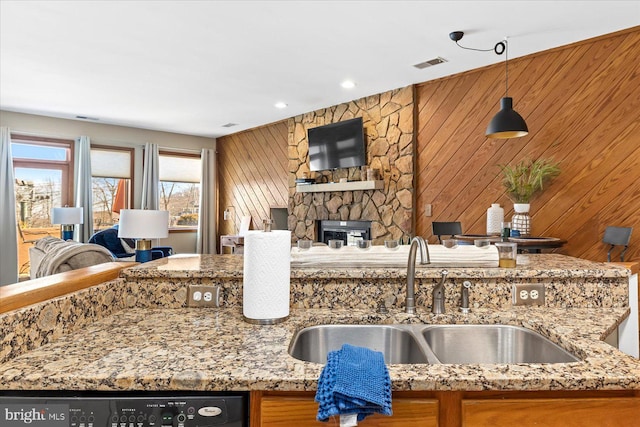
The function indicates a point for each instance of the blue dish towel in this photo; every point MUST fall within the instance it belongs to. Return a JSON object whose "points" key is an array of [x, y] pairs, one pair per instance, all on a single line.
{"points": [[355, 380]]}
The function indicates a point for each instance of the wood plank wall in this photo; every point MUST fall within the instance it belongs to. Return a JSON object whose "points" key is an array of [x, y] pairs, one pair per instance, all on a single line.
{"points": [[252, 174], [582, 105]]}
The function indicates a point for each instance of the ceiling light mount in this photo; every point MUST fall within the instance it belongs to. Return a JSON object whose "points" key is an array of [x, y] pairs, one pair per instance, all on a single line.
{"points": [[507, 123], [456, 36]]}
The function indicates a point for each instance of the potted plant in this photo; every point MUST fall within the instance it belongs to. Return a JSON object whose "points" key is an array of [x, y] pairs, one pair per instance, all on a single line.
{"points": [[524, 180]]}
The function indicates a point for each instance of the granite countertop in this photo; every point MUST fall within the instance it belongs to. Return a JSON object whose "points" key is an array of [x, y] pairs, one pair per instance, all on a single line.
{"points": [[539, 266], [214, 349]]}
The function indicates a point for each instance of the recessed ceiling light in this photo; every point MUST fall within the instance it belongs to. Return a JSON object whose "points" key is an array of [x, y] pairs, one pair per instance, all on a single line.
{"points": [[280, 105], [348, 84]]}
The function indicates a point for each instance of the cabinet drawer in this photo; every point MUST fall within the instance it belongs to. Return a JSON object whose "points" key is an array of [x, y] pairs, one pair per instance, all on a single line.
{"points": [[620, 412], [301, 411]]}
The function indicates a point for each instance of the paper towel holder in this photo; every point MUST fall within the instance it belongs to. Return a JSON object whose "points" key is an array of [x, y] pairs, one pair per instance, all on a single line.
{"points": [[267, 224], [264, 321]]}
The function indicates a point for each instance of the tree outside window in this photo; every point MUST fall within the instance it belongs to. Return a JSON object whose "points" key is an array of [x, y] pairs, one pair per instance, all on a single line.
{"points": [[179, 188], [111, 172]]}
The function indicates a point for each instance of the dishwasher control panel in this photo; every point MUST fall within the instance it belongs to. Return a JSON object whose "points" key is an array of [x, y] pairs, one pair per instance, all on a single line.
{"points": [[123, 411]]}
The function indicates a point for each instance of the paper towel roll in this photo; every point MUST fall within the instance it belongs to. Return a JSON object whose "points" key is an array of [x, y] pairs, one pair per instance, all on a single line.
{"points": [[266, 282]]}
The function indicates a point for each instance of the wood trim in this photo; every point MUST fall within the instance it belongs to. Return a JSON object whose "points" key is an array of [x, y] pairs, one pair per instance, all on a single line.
{"points": [[43, 139], [22, 294], [177, 153], [183, 230], [301, 410], [65, 166], [634, 267], [550, 412], [451, 403]]}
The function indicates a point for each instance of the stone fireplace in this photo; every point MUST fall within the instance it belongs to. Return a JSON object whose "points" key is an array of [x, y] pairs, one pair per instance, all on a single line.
{"points": [[388, 120]]}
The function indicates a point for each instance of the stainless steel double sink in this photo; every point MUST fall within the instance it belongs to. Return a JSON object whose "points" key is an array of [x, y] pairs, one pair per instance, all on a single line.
{"points": [[432, 344]]}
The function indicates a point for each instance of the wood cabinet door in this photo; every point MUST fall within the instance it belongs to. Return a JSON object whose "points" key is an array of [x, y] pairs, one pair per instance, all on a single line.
{"points": [[292, 411], [613, 412]]}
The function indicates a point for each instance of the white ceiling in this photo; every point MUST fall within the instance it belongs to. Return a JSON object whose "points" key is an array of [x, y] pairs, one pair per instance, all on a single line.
{"points": [[192, 66]]}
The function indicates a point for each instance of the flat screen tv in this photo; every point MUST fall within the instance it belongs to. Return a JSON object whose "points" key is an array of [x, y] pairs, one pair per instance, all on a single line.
{"points": [[337, 145]]}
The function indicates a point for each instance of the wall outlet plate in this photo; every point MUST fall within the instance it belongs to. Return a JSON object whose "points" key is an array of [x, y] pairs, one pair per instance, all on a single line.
{"points": [[203, 296], [528, 294]]}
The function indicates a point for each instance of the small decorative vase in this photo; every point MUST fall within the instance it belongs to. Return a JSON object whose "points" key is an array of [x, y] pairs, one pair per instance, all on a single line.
{"points": [[521, 220], [495, 217]]}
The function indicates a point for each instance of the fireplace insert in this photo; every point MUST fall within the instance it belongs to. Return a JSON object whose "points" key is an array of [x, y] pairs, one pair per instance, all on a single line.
{"points": [[347, 231]]}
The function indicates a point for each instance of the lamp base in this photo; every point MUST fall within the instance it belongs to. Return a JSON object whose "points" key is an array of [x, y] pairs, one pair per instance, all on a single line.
{"points": [[66, 232], [143, 250]]}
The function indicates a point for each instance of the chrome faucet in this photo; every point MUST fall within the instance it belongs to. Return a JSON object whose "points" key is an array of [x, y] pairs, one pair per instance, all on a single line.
{"points": [[410, 304], [437, 306]]}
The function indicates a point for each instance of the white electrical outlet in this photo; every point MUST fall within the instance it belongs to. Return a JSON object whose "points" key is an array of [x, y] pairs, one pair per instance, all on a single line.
{"points": [[203, 296], [528, 294]]}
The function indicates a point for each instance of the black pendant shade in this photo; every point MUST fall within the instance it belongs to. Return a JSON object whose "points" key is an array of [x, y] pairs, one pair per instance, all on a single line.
{"points": [[507, 123]]}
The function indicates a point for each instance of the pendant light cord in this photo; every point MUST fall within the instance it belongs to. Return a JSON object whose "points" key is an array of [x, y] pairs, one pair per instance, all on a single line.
{"points": [[506, 67], [500, 48], [471, 48]]}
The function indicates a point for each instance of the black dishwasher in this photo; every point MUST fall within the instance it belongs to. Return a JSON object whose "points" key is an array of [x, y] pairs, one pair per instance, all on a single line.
{"points": [[119, 409]]}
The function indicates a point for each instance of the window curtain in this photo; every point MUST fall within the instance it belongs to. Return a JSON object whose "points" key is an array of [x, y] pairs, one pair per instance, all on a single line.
{"points": [[206, 240], [83, 188], [8, 224], [150, 177]]}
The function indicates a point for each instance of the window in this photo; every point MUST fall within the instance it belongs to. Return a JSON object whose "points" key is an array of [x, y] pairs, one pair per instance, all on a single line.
{"points": [[43, 169], [180, 188], [111, 172]]}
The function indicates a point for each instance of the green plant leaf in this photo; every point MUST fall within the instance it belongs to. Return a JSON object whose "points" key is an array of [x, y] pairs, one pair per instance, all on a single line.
{"points": [[527, 178]]}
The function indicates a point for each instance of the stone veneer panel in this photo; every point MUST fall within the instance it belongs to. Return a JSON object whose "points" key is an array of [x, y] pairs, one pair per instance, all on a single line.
{"points": [[388, 120]]}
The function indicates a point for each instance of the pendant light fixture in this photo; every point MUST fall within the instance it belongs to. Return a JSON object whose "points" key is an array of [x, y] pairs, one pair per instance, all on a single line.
{"points": [[507, 123]]}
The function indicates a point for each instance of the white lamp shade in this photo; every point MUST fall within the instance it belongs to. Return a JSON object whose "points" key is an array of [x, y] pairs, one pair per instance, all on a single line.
{"points": [[66, 216], [143, 224]]}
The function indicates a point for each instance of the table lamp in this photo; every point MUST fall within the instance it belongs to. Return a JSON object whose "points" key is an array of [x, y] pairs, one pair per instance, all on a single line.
{"points": [[67, 218], [143, 225]]}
